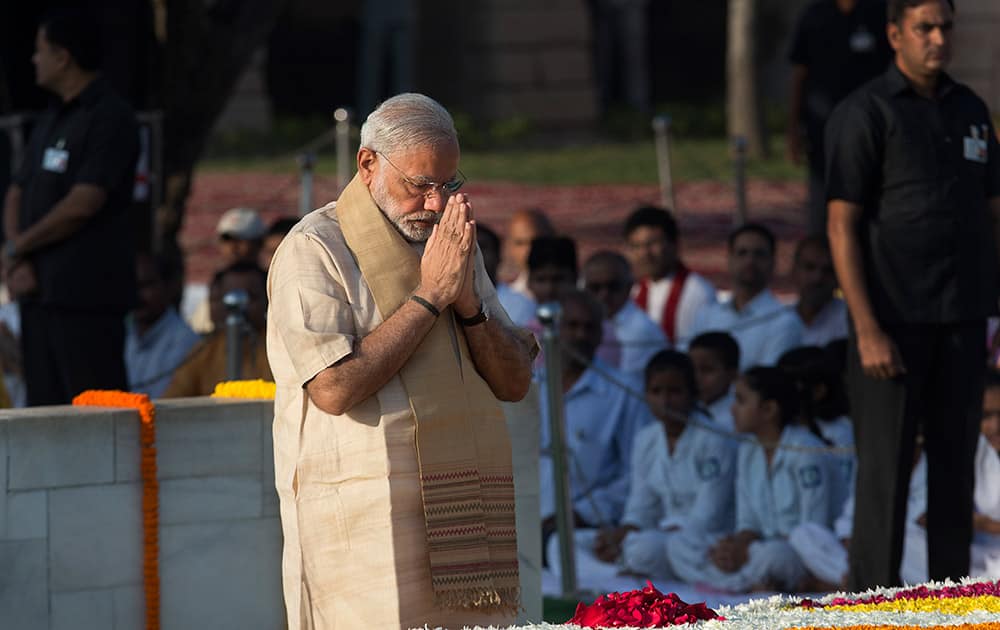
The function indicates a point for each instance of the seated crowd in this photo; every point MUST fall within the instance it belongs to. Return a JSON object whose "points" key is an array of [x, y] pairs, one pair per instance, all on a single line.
{"points": [[708, 436], [707, 433]]}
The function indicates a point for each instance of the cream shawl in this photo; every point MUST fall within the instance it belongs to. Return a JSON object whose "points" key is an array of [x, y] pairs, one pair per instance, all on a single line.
{"points": [[462, 445]]}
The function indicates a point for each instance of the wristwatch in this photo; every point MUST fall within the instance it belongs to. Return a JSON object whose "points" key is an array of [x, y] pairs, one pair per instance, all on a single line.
{"points": [[478, 318]]}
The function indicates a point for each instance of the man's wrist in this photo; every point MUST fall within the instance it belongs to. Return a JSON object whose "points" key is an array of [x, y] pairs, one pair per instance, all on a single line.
{"points": [[467, 309], [478, 318], [10, 250]]}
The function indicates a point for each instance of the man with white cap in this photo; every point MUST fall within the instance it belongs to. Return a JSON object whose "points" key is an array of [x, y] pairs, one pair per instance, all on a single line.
{"points": [[241, 234]]}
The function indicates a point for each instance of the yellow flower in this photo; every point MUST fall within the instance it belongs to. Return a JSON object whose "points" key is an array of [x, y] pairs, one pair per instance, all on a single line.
{"points": [[244, 389], [952, 606]]}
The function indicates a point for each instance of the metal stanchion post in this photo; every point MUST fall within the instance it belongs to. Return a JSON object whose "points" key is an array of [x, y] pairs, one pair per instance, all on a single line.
{"points": [[343, 144], [549, 316], [307, 161], [236, 306], [740, 181], [661, 132]]}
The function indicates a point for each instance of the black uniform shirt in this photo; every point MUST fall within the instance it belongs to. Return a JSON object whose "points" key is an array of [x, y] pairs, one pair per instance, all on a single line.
{"points": [[840, 52], [923, 171], [92, 139]]}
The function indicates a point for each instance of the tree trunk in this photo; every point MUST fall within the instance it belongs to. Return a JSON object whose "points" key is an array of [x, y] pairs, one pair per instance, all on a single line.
{"points": [[744, 116], [208, 45]]}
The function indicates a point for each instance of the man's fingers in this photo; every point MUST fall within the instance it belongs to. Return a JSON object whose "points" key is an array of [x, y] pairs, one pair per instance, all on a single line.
{"points": [[468, 233]]}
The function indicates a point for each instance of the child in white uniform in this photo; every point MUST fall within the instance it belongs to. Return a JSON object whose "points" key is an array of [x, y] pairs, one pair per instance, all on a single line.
{"points": [[986, 519], [682, 475], [824, 408], [716, 358], [782, 480]]}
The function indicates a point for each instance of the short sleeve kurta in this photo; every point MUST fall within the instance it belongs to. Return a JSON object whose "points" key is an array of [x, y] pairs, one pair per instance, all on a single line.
{"points": [[355, 552]]}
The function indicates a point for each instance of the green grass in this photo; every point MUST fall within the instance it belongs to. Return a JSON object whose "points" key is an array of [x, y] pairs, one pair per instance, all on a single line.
{"points": [[557, 610], [598, 163]]}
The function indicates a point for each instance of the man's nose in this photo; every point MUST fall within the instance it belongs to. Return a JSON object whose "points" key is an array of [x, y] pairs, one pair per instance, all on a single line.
{"points": [[436, 201]]}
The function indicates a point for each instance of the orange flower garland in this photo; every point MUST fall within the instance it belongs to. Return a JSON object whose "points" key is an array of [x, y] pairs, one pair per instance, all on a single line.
{"points": [[150, 488]]}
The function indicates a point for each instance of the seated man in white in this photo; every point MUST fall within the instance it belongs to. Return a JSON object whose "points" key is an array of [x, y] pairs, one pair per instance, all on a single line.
{"points": [[607, 276], [602, 419], [669, 292], [823, 315], [525, 225], [763, 326], [716, 358], [157, 339]]}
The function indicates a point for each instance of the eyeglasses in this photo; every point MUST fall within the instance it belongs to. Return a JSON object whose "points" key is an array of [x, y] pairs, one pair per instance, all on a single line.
{"points": [[420, 187]]}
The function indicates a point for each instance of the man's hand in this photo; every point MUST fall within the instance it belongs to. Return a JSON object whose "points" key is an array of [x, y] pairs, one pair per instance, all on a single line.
{"points": [[20, 278], [444, 265], [608, 544], [732, 552], [468, 302], [880, 357]]}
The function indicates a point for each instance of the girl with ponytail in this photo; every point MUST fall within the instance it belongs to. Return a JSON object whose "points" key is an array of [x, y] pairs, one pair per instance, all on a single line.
{"points": [[782, 480]]}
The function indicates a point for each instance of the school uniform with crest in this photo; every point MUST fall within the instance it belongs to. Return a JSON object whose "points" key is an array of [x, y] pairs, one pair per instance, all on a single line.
{"points": [[772, 500], [687, 492]]}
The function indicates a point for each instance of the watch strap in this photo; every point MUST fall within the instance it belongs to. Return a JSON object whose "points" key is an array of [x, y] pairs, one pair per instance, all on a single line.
{"points": [[478, 318]]}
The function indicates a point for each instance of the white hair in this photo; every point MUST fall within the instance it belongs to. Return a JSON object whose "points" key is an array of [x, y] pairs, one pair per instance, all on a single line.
{"points": [[405, 121]]}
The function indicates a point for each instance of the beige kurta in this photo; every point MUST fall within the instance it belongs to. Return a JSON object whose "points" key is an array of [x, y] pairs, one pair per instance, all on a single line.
{"points": [[355, 554]]}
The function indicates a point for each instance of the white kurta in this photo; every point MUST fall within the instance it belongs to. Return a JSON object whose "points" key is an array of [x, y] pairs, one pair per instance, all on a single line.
{"points": [[697, 292], [355, 553], [765, 328]]}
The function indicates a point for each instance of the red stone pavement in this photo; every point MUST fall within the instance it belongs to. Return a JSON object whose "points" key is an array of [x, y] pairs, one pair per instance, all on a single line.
{"points": [[592, 214]]}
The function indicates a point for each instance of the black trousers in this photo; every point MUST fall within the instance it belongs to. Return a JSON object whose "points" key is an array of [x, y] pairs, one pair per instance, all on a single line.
{"points": [[940, 396], [66, 352]]}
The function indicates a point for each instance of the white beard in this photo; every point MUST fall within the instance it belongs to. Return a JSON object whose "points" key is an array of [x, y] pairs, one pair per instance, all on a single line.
{"points": [[403, 222]]}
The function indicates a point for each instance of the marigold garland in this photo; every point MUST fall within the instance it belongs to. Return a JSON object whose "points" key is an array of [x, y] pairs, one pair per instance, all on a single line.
{"points": [[150, 488], [245, 389]]}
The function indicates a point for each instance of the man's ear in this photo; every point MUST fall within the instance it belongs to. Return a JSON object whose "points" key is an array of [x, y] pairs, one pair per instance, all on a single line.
{"points": [[366, 165], [893, 34], [62, 57]]}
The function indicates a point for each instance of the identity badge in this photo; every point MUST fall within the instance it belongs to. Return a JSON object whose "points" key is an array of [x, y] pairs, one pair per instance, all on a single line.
{"points": [[862, 41], [56, 159], [974, 145]]}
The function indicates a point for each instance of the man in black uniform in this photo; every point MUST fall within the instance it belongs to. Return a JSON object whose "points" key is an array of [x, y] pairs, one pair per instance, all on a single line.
{"points": [[837, 46], [68, 257], [913, 178]]}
